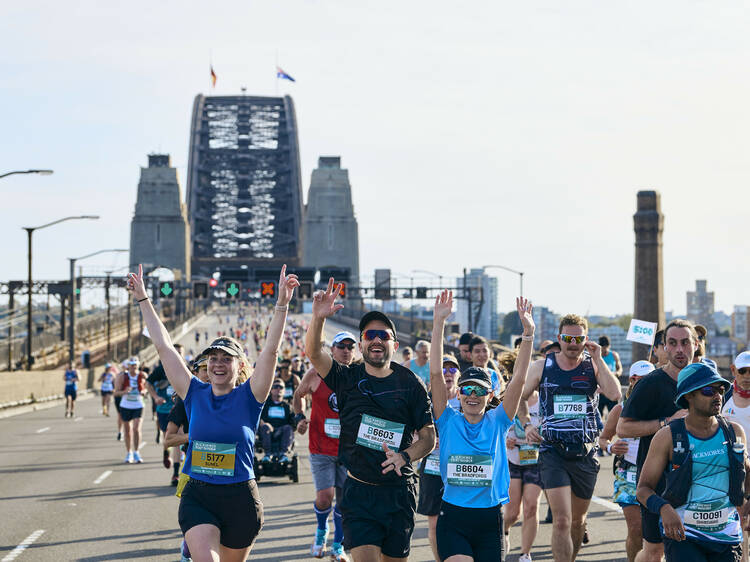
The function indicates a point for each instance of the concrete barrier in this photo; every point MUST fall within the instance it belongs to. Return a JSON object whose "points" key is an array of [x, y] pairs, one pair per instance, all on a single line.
{"points": [[23, 387]]}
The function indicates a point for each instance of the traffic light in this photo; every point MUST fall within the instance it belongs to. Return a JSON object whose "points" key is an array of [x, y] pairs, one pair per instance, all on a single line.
{"points": [[267, 289], [232, 289], [200, 290], [305, 290], [421, 292], [342, 292], [166, 289], [79, 284]]}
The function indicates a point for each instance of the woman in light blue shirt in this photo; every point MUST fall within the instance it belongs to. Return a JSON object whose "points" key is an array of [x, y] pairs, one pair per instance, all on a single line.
{"points": [[473, 462]]}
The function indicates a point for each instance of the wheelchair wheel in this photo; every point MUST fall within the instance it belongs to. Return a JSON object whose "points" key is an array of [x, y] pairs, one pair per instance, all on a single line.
{"points": [[294, 469]]}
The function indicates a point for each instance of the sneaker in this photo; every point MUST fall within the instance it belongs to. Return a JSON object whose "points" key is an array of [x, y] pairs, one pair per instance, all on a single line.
{"points": [[129, 458], [548, 519], [185, 551], [137, 457], [319, 546], [337, 553], [119, 436], [166, 460], [175, 480], [524, 558], [265, 458], [158, 433], [585, 537], [283, 459]]}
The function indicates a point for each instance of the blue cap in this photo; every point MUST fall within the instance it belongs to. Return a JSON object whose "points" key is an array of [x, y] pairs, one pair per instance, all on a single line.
{"points": [[693, 377], [341, 336]]}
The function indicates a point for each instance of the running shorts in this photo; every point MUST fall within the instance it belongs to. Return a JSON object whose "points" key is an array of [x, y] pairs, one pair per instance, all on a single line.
{"points": [[327, 471], [128, 414], [235, 509], [118, 399], [528, 474], [699, 551], [72, 392], [470, 531], [163, 420], [579, 473]]}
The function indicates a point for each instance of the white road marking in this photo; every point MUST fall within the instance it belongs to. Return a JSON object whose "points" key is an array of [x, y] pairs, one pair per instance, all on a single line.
{"points": [[606, 503], [43, 429], [141, 445], [78, 419], [25, 543], [102, 477]]}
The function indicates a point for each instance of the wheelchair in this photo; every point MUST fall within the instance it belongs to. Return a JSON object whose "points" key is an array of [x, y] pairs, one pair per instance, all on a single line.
{"points": [[275, 466]]}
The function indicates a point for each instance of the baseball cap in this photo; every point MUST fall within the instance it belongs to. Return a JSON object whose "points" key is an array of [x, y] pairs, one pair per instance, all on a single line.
{"points": [[133, 361], [227, 345], [477, 375], [742, 360], [450, 359], [641, 368], [374, 315], [341, 336], [701, 331], [693, 377], [199, 361]]}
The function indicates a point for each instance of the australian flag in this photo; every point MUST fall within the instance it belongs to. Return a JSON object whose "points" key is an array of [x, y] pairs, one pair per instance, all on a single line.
{"points": [[283, 75]]}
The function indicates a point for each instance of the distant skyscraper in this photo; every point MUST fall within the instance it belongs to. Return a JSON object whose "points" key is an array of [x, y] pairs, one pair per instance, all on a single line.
{"points": [[330, 230], [700, 306], [741, 324], [159, 232], [483, 313], [547, 325]]}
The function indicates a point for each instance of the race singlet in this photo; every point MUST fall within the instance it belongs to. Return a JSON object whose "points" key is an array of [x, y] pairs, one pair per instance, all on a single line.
{"points": [[470, 470], [332, 428], [133, 395], [710, 517], [216, 459], [373, 432], [569, 406]]}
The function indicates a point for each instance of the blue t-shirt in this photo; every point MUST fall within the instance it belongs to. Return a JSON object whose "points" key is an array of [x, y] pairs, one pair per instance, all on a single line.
{"points": [[474, 450], [221, 426], [71, 380]]}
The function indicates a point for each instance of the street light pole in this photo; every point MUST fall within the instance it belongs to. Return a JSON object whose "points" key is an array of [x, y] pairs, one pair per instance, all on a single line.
{"points": [[40, 172], [519, 273]]}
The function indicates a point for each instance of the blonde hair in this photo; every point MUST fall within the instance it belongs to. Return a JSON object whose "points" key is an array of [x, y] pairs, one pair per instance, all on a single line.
{"points": [[573, 320]]}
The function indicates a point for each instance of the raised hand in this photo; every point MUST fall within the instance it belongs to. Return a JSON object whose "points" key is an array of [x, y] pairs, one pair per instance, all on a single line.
{"points": [[324, 302], [524, 308], [287, 284], [136, 286], [443, 306], [594, 349]]}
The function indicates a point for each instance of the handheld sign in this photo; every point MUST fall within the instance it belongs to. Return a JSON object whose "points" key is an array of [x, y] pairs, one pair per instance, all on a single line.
{"points": [[641, 331]]}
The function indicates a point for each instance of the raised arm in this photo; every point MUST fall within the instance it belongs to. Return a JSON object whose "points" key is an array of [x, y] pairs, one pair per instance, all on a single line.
{"points": [[443, 309], [323, 306], [608, 382], [174, 366], [516, 385], [304, 388], [265, 365]]}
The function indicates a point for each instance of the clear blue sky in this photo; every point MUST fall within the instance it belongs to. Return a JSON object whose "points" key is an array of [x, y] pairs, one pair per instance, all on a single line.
{"points": [[513, 133]]}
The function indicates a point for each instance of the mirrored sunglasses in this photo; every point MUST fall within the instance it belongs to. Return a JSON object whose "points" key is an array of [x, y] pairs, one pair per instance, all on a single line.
{"points": [[468, 389], [568, 338], [384, 335]]}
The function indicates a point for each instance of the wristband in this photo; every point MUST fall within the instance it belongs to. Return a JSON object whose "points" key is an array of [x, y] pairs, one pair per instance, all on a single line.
{"points": [[662, 422], [282, 308], [527, 338], [141, 300], [405, 456], [609, 448], [654, 503]]}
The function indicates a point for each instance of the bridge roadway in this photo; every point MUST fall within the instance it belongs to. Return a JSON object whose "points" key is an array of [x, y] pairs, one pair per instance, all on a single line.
{"points": [[66, 495]]}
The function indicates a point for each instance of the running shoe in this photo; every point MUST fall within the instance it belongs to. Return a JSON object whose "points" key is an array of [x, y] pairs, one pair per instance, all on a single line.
{"points": [[337, 553], [129, 458], [158, 433], [586, 539], [175, 480], [185, 553], [119, 436], [318, 548], [524, 558], [265, 458], [283, 459], [166, 460], [137, 457]]}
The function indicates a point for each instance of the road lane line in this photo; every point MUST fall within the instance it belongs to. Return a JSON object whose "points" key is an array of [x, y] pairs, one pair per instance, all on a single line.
{"points": [[141, 445], [78, 419], [102, 477], [606, 503], [25, 543], [43, 429]]}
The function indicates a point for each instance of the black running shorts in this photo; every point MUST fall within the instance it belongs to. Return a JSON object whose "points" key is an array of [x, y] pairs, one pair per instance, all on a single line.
{"points": [[470, 531], [128, 414], [235, 509], [430, 494], [699, 551], [528, 474], [579, 473]]}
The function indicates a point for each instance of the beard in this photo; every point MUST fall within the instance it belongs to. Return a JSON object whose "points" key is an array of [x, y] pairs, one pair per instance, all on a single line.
{"points": [[377, 363]]}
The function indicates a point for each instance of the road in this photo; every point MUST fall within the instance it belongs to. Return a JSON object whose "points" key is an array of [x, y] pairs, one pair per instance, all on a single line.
{"points": [[66, 493]]}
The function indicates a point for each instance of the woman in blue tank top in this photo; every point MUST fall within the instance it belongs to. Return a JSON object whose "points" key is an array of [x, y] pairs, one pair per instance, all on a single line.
{"points": [[473, 462], [220, 511]]}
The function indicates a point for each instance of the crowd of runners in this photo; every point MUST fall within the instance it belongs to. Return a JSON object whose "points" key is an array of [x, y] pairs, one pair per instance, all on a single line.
{"points": [[472, 441]]}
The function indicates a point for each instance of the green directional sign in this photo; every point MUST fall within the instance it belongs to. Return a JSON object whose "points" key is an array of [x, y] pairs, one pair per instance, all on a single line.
{"points": [[166, 289], [232, 289]]}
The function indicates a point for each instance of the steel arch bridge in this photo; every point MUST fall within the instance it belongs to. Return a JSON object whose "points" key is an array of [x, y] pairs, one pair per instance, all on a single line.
{"points": [[244, 191]]}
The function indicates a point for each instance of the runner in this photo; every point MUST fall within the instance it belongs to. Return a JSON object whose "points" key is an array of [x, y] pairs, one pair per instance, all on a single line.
{"points": [[705, 456], [420, 365], [131, 386], [525, 479], [479, 349], [430, 482], [163, 393], [700, 352], [464, 354], [71, 388], [407, 354], [290, 380], [123, 368], [298, 368], [737, 409], [381, 405], [473, 463], [625, 464], [568, 383], [107, 380], [220, 511], [650, 407], [328, 473], [658, 355], [612, 359], [276, 427]]}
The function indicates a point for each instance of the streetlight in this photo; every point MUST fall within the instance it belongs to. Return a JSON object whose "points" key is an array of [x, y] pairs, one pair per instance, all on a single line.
{"points": [[29, 231], [519, 273], [40, 172], [72, 338]]}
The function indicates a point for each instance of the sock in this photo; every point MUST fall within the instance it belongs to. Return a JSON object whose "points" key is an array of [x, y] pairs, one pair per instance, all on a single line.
{"points": [[338, 526], [176, 468], [322, 517]]}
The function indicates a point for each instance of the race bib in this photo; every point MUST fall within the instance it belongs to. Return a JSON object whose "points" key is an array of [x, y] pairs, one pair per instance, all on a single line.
{"points": [[133, 395], [630, 475], [570, 406], [470, 470], [213, 458], [528, 454], [288, 392], [276, 412], [332, 428], [432, 463], [708, 517], [373, 432]]}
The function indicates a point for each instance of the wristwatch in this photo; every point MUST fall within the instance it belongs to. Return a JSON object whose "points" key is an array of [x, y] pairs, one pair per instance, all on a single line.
{"points": [[406, 457], [662, 422]]}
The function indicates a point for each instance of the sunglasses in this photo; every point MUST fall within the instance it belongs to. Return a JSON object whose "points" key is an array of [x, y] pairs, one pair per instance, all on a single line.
{"points": [[451, 370], [372, 334], [277, 387], [744, 371], [477, 390], [711, 390], [348, 346], [567, 338]]}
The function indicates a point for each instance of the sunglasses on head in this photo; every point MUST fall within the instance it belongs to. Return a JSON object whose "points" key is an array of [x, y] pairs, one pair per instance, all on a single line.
{"points": [[348, 346], [711, 390], [467, 390], [451, 370], [568, 338], [384, 335], [744, 371]]}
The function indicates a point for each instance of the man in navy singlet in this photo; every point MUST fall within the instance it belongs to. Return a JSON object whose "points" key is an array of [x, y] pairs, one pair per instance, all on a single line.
{"points": [[568, 382]]}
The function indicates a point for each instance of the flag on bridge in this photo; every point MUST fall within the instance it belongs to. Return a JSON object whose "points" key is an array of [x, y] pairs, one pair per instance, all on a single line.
{"points": [[283, 75], [213, 77]]}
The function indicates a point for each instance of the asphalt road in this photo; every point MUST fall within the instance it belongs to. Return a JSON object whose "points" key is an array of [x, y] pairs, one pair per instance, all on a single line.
{"points": [[66, 495]]}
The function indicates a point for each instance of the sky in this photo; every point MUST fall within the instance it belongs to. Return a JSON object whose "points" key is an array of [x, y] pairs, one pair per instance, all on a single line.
{"points": [[511, 133]]}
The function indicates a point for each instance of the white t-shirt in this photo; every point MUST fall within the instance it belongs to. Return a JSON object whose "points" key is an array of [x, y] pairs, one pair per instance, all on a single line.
{"points": [[739, 415], [512, 452]]}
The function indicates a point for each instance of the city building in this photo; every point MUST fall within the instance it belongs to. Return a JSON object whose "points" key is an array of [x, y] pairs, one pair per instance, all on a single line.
{"points": [[483, 312], [618, 342], [700, 306], [741, 324], [547, 325]]}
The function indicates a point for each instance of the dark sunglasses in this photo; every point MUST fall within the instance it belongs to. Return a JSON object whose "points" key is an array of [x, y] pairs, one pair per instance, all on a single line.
{"points": [[451, 370], [277, 387], [567, 338], [348, 346], [476, 389], [744, 371], [711, 390], [372, 334]]}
